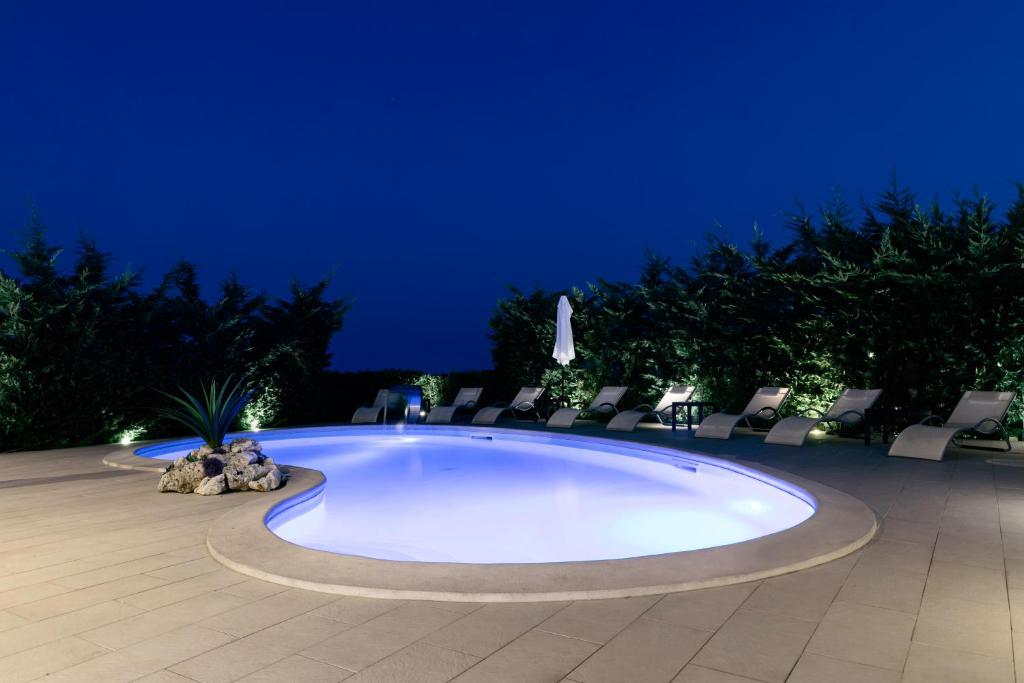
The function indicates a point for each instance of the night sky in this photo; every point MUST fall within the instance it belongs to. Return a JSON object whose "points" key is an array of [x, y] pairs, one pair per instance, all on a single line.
{"points": [[430, 154]]}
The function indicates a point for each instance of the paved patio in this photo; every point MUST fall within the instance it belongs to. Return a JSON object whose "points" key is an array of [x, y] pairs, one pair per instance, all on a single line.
{"points": [[103, 579]]}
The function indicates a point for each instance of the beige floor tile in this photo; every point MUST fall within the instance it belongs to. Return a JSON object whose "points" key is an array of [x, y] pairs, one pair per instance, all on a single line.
{"points": [[355, 611], [1017, 609], [967, 582], [815, 669], [906, 531], [805, 595], [454, 606], [297, 668], [921, 510], [1014, 573], [964, 625], [41, 632], [85, 597], [192, 552], [704, 610], [909, 557], [883, 587], [1012, 523], [865, 635], [757, 645], [597, 620], [1013, 548], [418, 663], [148, 625], [46, 659], [10, 620], [163, 676], [186, 570], [366, 644], [111, 571], [971, 551], [231, 661], [698, 674], [260, 614], [971, 527], [968, 506], [492, 627], [182, 590], [927, 664], [36, 558], [647, 650], [253, 589], [299, 633], [31, 593], [144, 658], [536, 656]]}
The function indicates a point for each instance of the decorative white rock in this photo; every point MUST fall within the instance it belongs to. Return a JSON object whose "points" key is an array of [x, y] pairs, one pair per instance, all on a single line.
{"points": [[271, 481], [240, 466], [183, 478], [211, 486]]}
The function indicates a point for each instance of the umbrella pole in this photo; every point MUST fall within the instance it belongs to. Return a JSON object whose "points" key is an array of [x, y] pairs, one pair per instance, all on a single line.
{"points": [[564, 402]]}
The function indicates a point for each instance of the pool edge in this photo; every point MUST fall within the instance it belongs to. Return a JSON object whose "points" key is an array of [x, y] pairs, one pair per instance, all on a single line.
{"points": [[240, 540]]}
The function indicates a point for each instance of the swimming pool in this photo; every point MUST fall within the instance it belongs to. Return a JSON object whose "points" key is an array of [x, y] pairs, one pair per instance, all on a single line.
{"points": [[476, 496]]}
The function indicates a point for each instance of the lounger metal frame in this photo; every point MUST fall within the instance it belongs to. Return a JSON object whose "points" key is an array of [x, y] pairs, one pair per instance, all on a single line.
{"points": [[596, 410], [976, 429], [521, 407], [837, 418], [774, 415]]}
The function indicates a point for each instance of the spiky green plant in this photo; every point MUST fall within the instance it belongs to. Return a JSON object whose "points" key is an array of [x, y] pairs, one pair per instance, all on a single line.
{"points": [[211, 414]]}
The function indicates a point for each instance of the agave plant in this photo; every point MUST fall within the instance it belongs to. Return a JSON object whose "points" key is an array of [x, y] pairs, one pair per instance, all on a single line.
{"points": [[210, 414]]}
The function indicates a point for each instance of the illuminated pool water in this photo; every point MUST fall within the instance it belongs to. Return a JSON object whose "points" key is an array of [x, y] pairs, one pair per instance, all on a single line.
{"points": [[497, 496]]}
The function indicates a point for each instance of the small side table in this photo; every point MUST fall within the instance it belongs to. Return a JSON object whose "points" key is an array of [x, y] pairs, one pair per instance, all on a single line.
{"points": [[690, 405], [889, 420]]}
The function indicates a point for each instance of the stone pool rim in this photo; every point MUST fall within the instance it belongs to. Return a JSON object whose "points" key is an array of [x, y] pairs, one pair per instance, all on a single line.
{"points": [[241, 540]]}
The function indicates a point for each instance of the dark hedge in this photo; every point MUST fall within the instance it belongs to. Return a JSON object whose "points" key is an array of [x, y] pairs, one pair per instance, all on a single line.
{"points": [[919, 301]]}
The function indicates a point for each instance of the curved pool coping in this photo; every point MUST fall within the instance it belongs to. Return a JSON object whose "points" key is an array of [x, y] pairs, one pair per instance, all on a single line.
{"points": [[241, 541]]}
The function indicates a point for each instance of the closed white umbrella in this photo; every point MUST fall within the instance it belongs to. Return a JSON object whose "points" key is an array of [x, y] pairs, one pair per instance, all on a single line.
{"points": [[564, 350]]}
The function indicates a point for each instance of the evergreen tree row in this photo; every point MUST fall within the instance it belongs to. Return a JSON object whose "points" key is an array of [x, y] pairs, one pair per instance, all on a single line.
{"points": [[916, 300], [83, 351]]}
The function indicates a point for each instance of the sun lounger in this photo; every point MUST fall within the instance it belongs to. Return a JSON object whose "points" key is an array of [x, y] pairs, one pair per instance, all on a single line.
{"points": [[765, 405], [372, 413], [848, 410], [627, 420], [524, 403], [605, 404], [978, 413], [466, 399]]}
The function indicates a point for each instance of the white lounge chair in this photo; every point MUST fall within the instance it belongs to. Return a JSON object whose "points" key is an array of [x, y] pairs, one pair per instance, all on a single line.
{"points": [[606, 403], [978, 412], [627, 420], [765, 405], [466, 399], [371, 414], [525, 402], [848, 410]]}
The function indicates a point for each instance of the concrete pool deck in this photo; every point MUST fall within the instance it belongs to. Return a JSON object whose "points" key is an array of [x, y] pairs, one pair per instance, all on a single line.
{"points": [[241, 541], [101, 578]]}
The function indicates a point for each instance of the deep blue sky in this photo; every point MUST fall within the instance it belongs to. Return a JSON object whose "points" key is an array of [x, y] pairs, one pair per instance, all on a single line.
{"points": [[432, 153]]}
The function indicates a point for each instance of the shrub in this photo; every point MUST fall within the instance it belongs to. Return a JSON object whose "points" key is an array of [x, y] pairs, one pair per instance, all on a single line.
{"points": [[262, 410], [210, 415]]}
